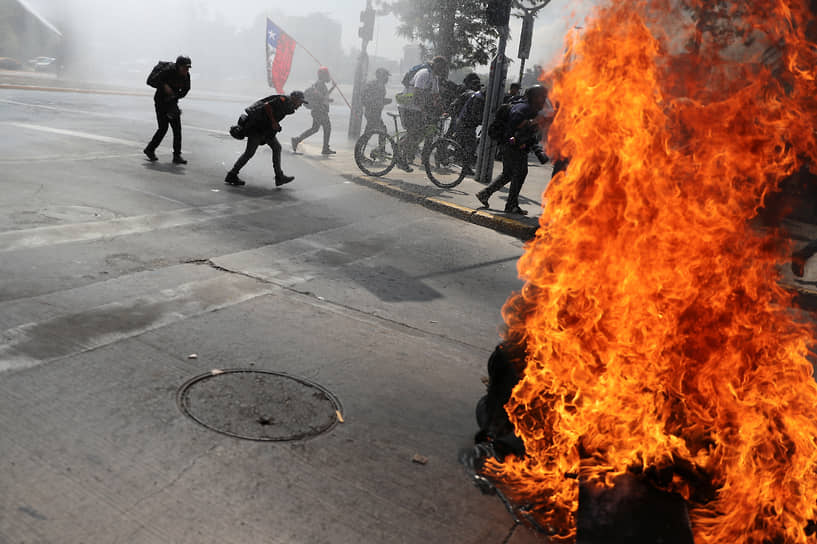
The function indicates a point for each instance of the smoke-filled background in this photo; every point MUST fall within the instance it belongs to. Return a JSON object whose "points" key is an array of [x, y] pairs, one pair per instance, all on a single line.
{"points": [[119, 42]]}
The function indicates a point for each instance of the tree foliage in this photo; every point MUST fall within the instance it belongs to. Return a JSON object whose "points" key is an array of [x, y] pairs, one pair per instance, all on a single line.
{"points": [[454, 29]]}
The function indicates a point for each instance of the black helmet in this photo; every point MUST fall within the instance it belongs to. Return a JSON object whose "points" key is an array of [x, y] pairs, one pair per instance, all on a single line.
{"points": [[470, 77], [181, 60], [298, 95], [536, 90]]}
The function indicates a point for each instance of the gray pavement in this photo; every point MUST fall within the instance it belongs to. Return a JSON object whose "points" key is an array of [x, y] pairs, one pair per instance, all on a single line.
{"points": [[118, 271], [457, 202]]}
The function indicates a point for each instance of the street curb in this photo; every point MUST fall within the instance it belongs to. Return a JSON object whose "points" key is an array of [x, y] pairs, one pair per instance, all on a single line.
{"points": [[500, 223]]}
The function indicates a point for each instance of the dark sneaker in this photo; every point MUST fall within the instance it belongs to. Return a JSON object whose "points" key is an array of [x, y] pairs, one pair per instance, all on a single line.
{"points": [[150, 154], [328, 151], [283, 179], [517, 210], [178, 159], [405, 167], [483, 197], [294, 142], [468, 171], [233, 179]]}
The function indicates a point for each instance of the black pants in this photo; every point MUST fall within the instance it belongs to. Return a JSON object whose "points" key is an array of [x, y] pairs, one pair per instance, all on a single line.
{"points": [[167, 115], [320, 119], [375, 122], [466, 136], [255, 139], [514, 170], [414, 122]]}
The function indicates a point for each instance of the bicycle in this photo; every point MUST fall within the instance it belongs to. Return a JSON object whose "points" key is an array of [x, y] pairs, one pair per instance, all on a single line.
{"points": [[377, 152]]}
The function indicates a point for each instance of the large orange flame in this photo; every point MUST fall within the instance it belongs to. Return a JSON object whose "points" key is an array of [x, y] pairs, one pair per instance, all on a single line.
{"points": [[657, 335]]}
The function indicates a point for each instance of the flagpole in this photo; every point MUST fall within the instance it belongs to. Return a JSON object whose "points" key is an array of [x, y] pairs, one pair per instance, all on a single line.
{"points": [[308, 52], [321, 64]]}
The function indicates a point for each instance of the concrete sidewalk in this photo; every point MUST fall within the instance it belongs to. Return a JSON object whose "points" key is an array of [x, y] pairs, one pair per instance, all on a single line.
{"points": [[460, 202]]}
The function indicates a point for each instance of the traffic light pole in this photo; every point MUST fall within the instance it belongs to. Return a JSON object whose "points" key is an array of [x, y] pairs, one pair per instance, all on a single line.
{"points": [[366, 32], [494, 91], [526, 35]]}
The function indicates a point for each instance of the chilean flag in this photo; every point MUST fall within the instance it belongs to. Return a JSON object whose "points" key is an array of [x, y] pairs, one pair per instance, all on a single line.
{"points": [[280, 47]]}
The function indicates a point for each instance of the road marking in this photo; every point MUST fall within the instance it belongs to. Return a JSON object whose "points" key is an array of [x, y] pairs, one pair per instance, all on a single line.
{"points": [[75, 133], [68, 334], [123, 226], [108, 115]]}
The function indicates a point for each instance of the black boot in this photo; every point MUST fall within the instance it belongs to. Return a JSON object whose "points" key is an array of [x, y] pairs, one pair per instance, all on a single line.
{"points": [[483, 197], [233, 179], [150, 154], [178, 159], [281, 179]]}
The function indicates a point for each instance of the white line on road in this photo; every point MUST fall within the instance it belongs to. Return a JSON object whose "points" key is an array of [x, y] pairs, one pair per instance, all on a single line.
{"points": [[151, 119], [75, 133], [95, 230]]}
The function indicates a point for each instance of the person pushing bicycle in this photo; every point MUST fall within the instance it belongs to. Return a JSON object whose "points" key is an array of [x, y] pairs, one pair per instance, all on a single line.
{"points": [[425, 108]]}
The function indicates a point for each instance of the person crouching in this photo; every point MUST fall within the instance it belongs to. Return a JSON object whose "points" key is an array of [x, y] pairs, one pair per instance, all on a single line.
{"points": [[260, 125]]}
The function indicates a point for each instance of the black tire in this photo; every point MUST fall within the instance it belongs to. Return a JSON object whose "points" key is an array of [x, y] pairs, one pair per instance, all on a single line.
{"points": [[444, 161], [371, 158]]}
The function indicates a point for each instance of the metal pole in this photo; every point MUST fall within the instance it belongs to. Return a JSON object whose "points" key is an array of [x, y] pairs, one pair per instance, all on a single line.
{"points": [[494, 92], [521, 71], [356, 114]]}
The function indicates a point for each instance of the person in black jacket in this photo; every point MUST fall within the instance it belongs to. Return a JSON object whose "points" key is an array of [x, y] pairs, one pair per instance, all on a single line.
{"points": [[260, 125], [172, 82], [374, 99], [521, 136], [466, 118]]}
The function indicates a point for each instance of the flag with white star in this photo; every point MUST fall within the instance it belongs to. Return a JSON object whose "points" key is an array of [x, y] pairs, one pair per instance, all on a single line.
{"points": [[280, 47]]}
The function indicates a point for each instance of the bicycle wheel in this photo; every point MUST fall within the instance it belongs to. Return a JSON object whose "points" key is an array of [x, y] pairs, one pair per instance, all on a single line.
{"points": [[375, 153], [444, 161]]}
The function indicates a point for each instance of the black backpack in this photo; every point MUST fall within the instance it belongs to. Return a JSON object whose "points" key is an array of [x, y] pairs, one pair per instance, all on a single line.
{"points": [[496, 130], [161, 67]]}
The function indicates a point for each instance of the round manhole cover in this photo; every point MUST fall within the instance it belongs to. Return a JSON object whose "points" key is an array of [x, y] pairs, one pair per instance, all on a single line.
{"points": [[259, 404]]}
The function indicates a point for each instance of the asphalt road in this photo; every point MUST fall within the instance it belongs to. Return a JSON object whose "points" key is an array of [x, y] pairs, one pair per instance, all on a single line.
{"points": [[116, 271]]}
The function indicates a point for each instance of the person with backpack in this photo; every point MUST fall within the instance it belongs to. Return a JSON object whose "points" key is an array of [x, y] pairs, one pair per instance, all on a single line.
{"points": [[318, 99], [424, 109], [519, 135], [467, 116], [260, 124], [172, 83]]}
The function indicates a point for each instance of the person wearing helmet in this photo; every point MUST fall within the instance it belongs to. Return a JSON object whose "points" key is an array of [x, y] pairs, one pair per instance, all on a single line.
{"points": [[172, 82], [318, 96], [374, 99], [260, 124], [521, 136]]}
